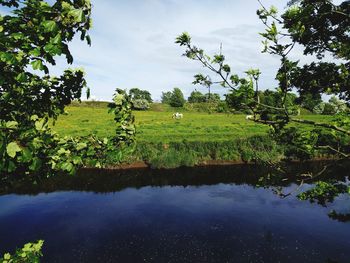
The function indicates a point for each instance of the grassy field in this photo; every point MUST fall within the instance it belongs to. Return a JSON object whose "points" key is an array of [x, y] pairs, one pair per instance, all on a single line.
{"points": [[157, 125]]}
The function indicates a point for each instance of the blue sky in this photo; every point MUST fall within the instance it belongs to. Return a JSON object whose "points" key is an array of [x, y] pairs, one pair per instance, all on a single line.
{"points": [[133, 43]]}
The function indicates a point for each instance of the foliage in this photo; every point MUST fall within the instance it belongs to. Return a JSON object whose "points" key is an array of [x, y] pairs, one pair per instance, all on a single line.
{"points": [[277, 109], [190, 153], [298, 144], [308, 100], [334, 106], [140, 104], [319, 108], [305, 19], [196, 97], [339, 105], [212, 97], [122, 109], [275, 98], [174, 98], [319, 27], [208, 107], [205, 102], [31, 38], [30, 253], [329, 109], [137, 94], [166, 97], [40, 151], [323, 192]]}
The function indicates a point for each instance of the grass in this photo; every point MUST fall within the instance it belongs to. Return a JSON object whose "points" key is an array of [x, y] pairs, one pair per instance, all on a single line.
{"points": [[167, 143], [157, 125]]}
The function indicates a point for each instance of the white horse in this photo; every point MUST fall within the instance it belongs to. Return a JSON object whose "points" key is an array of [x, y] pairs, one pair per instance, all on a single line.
{"points": [[249, 117], [178, 116]]}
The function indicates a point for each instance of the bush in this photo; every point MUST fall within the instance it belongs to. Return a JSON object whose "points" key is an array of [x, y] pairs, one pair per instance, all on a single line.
{"points": [[140, 104], [196, 97], [261, 149], [329, 109], [319, 108]]}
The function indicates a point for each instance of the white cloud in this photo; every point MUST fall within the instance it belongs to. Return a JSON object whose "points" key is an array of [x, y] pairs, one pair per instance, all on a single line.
{"points": [[133, 43]]}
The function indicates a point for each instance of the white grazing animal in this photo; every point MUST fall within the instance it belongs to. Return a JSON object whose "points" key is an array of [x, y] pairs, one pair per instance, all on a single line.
{"points": [[249, 117]]}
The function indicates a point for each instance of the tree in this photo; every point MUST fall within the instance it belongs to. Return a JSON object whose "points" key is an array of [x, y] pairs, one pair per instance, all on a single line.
{"points": [[32, 36], [309, 101], [245, 91], [196, 97], [334, 106], [137, 94], [339, 105], [320, 27], [212, 97], [166, 97], [177, 98], [174, 98], [319, 108]]}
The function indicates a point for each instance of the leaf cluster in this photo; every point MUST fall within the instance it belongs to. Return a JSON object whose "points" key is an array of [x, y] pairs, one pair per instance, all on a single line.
{"points": [[31, 252]]}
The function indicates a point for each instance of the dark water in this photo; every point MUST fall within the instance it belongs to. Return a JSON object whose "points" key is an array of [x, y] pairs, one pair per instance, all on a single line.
{"points": [[189, 215]]}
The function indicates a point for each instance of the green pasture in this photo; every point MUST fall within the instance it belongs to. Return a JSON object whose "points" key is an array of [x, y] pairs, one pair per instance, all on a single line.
{"points": [[157, 125]]}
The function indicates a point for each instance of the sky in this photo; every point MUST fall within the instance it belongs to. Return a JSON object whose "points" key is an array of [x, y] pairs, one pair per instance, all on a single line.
{"points": [[133, 44]]}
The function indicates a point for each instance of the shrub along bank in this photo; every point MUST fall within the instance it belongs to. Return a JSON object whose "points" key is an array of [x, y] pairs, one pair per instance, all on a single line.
{"points": [[191, 153]]}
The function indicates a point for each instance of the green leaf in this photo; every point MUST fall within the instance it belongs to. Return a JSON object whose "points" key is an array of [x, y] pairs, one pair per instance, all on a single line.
{"points": [[77, 14], [81, 146], [34, 117], [40, 125], [26, 155], [11, 167], [37, 65], [7, 58], [36, 164], [49, 26], [67, 166], [35, 52], [21, 77], [12, 124], [57, 39], [77, 160], [12, 149]]}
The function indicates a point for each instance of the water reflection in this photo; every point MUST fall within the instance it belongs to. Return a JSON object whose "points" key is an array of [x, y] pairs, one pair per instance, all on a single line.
{"points": [[100, 181], [213, 214]]}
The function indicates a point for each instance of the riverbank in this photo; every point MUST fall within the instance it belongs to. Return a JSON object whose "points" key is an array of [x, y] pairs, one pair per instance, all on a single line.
{"points": [[194, 153]]}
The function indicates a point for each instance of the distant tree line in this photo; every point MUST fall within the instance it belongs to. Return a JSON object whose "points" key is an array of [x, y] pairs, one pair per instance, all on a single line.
{"points": [[212, 102]]}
